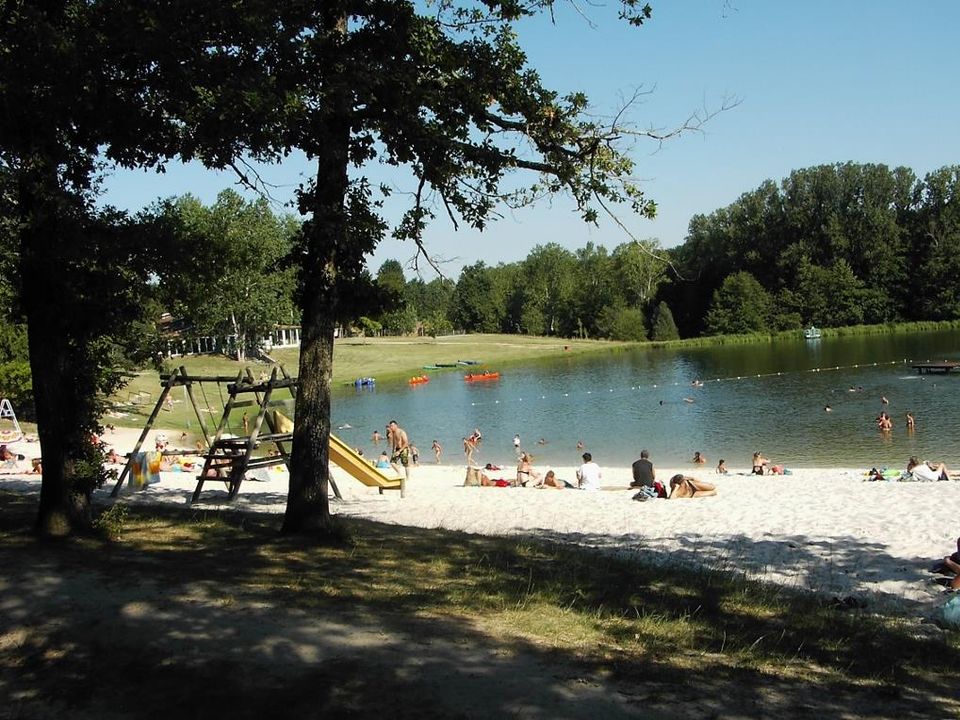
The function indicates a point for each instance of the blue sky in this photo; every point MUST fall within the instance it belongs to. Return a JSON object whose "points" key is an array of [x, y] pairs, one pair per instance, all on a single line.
{"points": [[818, 82]]}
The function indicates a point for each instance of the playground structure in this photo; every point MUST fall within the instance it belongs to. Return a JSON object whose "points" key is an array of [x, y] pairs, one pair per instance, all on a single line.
{"points": [[227, 458], [10, 430]]}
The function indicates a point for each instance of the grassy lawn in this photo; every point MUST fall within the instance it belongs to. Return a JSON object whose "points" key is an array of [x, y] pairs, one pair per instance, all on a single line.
{"points": [[386, 359], [174, 617]]}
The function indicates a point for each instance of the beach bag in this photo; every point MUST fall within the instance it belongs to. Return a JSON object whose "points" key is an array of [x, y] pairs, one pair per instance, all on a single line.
{"points": [[645, 494], [660, 489], [473, 477], [950, 613]]}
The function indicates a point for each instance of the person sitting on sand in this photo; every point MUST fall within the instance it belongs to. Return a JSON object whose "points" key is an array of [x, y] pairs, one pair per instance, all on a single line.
{"points": [[927, 471], [383, 462], [698, 458], [682, 486], [588, 474], [525, 471], [950, 564], [722, 467], [644, 474], [759, 463]]}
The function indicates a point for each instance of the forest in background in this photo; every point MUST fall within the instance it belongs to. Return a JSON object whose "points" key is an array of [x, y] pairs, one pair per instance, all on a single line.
{"points": [[833, 246]]}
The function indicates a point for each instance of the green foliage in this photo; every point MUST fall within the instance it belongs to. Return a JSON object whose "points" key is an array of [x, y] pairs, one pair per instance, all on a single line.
{"points": [[402, 321], [474, 309], [740, 305], [844, 243], [618, 322], [110, 523], [662, 326], [369, 327], [16, 384], [224, 268]]}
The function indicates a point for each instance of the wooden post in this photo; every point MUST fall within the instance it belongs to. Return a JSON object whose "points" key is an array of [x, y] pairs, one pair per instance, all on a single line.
{"points": [[188, 386], [167, 387]]}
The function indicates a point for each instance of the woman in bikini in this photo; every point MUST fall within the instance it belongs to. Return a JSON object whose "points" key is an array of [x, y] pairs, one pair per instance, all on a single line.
{"points": [[525, 471], [682, 486]]}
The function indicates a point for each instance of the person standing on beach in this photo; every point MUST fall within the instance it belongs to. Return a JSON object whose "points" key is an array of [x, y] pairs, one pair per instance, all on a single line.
{"points": [[437, 450], [588, 474], [468, 447], [399, 452], [643, 472]]}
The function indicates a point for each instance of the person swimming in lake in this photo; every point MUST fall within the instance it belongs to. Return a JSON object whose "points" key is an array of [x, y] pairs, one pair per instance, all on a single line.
{"points": [[911, 423], [698, 458], [682, 486]]}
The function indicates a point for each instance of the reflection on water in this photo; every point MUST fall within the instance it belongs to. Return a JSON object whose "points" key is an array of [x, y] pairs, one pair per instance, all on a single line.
{"points": [[769, 397]]}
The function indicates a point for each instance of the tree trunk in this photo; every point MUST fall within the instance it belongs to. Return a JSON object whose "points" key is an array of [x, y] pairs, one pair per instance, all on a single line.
{"points": [[328, 245], [54, 363]]}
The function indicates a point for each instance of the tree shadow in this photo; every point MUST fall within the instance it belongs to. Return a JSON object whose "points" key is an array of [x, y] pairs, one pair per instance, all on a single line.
{"points": [[237, 621], [844, 566]]}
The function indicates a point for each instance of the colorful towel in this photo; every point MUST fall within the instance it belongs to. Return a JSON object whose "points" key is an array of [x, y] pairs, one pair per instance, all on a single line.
{"points": [[144, 469]]}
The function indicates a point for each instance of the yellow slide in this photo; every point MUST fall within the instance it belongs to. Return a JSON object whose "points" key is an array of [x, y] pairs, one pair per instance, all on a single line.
{"points": [[356, 467]]}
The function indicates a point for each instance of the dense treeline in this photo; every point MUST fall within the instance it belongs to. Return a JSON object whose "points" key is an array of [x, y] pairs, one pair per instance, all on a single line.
{"points": [[832, 245], [587, 293]]}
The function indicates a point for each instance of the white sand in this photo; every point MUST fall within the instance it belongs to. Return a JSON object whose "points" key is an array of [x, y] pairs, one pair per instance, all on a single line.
{"points": [[823, 530]]}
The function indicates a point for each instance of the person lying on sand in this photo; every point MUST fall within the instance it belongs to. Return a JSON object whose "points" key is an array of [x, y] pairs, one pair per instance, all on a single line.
{"points": [[927, 471], [550, 480], [950, 565], [682, 486]]}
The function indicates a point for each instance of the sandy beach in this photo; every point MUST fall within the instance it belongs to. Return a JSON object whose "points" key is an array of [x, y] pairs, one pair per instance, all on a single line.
{"points": [[823, 530]]}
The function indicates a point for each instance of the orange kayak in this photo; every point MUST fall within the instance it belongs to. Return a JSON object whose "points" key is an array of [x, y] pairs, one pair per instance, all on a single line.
{"points": [[418, 380], [481, 376]]}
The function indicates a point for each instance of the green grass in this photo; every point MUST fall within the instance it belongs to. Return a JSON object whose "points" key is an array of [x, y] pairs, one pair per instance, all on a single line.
{"points": [[604, 616]]}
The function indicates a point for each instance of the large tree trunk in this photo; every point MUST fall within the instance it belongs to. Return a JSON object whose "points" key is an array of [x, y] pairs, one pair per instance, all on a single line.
{"points": [[328, 245], [55, 362]]}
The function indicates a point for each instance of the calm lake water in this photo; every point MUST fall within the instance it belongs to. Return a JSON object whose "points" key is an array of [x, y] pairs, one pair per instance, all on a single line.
{"points": [[767, 397]]}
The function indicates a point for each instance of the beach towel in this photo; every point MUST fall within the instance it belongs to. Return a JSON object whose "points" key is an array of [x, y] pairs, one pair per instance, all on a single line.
{"points": [[144, 469]]}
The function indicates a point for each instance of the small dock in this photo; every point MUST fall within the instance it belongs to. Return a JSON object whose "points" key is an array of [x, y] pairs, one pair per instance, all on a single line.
{"points": [[944, 366]]}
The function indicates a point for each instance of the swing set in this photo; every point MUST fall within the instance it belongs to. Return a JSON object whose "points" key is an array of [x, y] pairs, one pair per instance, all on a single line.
{"points": [[228, 457]]}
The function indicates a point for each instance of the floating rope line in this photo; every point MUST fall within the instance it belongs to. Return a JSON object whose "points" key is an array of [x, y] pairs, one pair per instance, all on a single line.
{"points": [[732, 378]]}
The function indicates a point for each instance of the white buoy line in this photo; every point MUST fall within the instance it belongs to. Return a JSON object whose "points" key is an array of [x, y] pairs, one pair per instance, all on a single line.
{"points": [[828, 368]]}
